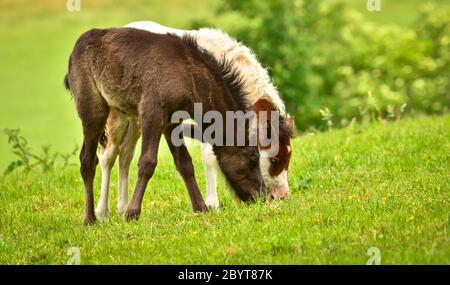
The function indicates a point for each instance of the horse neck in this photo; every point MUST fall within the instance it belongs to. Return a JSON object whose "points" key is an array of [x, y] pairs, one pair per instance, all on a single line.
{"points": [[219, 99]]}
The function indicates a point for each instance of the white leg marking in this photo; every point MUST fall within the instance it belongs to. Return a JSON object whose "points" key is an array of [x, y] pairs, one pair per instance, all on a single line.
{"points": [[107, 160], [126, 156], [210, 164]]}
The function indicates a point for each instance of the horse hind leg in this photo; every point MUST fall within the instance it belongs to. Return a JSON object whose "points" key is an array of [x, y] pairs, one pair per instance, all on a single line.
{"points": [[127, 148], [116, 127], [107, 160], [93, 112]]}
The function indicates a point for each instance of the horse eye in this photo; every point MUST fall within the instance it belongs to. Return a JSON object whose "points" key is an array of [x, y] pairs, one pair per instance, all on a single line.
{"points": [[274, 160], [253, 161]]}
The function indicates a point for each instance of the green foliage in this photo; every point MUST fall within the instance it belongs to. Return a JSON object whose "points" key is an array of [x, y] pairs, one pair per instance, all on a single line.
{"points": [[21, 149], [67, 158], [323, 55], [27, 160]]}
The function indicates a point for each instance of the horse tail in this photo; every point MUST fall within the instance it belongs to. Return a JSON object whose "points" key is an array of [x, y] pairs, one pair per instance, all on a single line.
{"points": [[66, 82], [66, 77], [103, 141]]}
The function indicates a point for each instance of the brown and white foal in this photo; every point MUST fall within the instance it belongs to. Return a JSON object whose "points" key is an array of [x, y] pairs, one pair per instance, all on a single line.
{"points": [[148, 77], [123, 132]]}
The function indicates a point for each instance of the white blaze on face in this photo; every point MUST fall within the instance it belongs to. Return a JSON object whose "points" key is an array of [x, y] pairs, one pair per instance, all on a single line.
{"points": [[277, 186]]}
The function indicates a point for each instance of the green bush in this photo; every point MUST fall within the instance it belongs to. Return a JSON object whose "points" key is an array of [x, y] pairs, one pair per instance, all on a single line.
{"points": [[323, 55]]}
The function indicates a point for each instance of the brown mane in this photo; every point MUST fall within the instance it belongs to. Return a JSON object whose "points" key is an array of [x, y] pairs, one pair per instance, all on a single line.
{"points": [[223, 71]]}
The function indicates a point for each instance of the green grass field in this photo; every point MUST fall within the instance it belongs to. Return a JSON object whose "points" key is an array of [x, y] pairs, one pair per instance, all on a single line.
{"points": [[385, 185], [381, 185]]}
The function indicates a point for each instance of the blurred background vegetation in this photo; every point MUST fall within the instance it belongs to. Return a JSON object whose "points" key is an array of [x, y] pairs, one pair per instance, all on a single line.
{"points": [[325, 56]]}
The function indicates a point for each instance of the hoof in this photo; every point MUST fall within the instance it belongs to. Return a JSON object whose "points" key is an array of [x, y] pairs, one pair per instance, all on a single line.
{"points": [[103, 216], [132, 214], [89, 220], [213, 206], [200, 208], [121, 210]]}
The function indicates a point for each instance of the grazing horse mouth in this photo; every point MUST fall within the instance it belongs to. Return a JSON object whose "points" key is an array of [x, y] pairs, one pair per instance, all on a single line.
{"points": [[260, 194], [278, 194]]}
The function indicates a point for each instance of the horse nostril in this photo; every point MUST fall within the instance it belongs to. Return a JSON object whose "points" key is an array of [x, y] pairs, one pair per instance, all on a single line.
{"points": [[279, 194]]}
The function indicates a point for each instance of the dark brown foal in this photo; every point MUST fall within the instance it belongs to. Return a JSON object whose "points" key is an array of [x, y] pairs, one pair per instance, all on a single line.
{"points": [[150, 76]]}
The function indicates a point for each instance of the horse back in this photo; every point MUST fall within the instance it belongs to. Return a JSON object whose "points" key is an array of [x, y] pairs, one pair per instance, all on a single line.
{"points": [[126, 64]]}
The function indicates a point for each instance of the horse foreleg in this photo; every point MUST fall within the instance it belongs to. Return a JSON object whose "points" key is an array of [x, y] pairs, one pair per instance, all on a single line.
{"points": [[183, 163], [210, 165], [152, 128]]}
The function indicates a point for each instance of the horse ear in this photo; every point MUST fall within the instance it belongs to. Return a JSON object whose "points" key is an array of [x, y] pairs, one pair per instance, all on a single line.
{"points": [[290, 123]]}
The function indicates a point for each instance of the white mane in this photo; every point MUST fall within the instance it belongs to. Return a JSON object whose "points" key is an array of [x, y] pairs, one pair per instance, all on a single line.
{"points": [[257, 83]]}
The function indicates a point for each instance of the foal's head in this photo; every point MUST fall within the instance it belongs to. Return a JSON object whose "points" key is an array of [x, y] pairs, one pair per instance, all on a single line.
{"points": [[274, 169], [240, 165], [238, 162], [274, 164]]}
